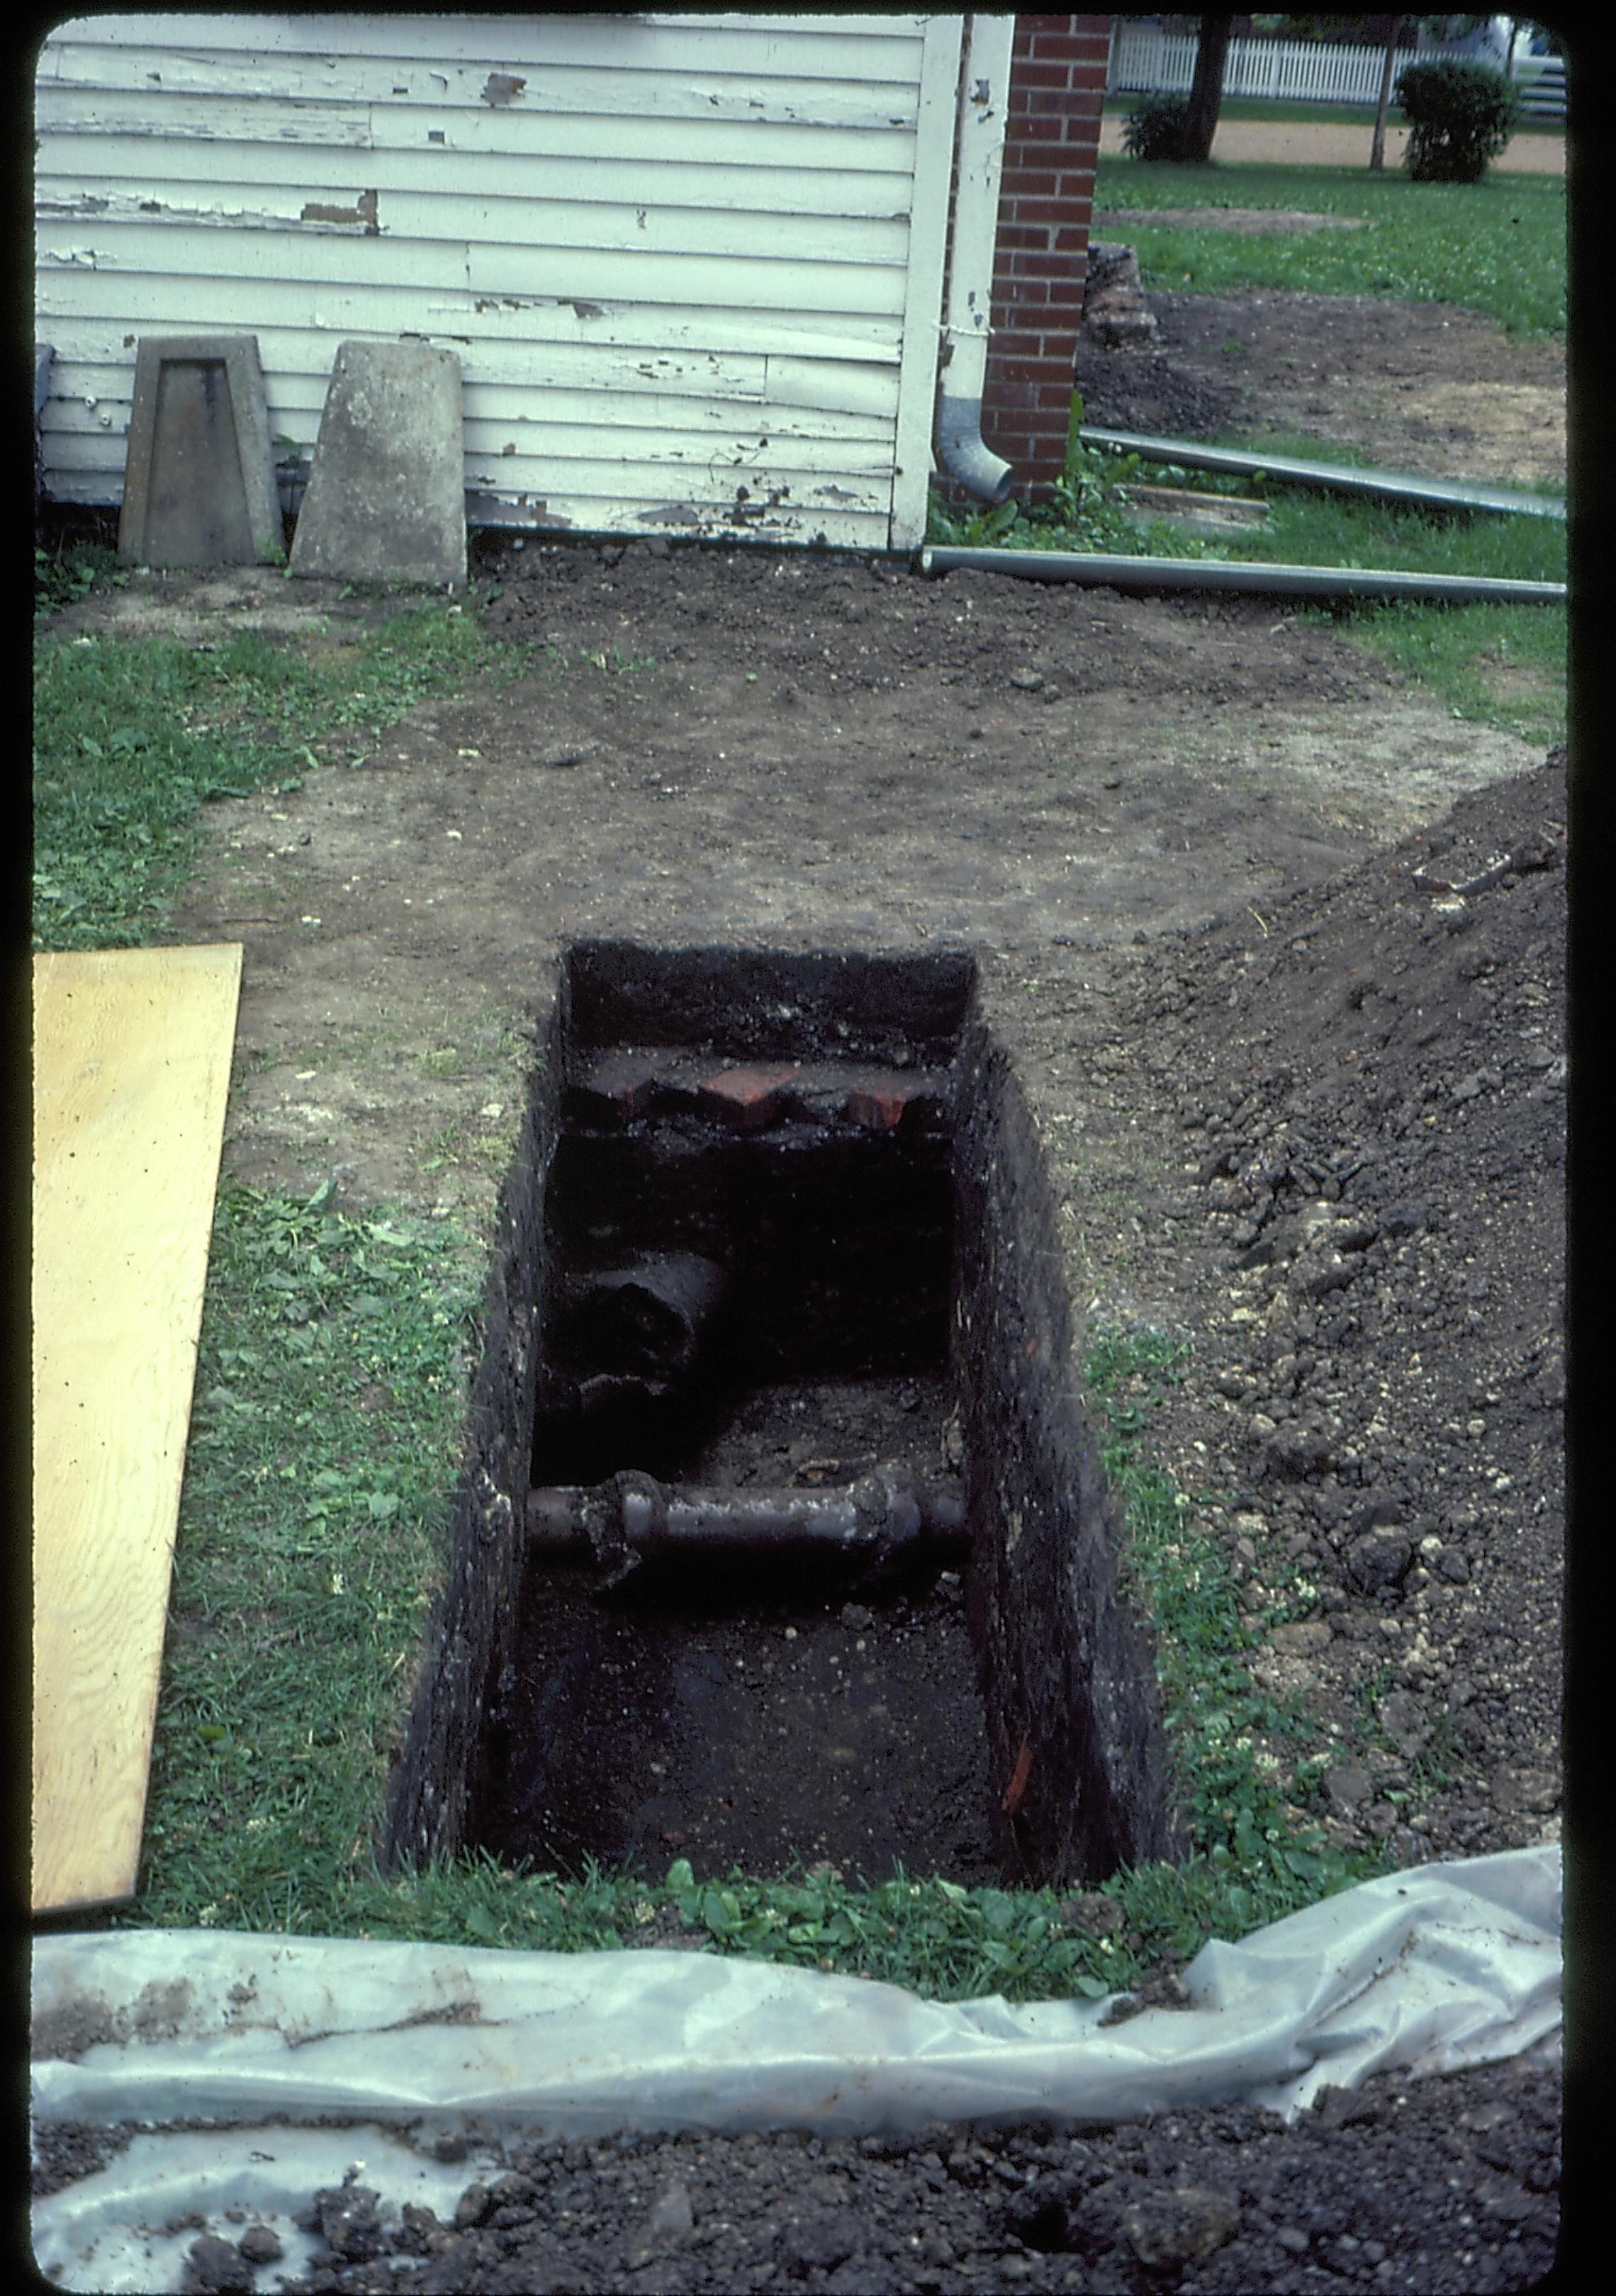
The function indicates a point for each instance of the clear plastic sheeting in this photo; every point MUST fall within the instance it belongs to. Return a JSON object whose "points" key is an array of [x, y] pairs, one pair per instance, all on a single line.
{"points": [[1431, 1970]]}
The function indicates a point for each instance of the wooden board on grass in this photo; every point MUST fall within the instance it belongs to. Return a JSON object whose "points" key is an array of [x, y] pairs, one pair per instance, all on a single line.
{"points": [[132, 1050]]}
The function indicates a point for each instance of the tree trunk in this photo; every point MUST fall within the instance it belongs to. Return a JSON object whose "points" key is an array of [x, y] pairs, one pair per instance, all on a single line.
{"points": [[1377, 150], [1206, 93]]}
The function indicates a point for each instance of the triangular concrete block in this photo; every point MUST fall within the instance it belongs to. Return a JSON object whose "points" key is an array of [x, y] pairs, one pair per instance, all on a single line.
{"points": [[386, 496], [198, 470]]}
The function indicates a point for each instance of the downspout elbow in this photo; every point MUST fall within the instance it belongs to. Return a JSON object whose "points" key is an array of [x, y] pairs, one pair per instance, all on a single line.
{"points": [[966, 455]]}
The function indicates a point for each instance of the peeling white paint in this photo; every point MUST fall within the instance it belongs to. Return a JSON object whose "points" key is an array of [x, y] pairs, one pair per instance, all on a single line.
{"points": [[709, 245]]}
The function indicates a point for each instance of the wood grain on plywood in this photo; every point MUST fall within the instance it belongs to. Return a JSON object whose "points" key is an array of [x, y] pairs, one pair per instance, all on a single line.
{"points": [[132, 1050]]}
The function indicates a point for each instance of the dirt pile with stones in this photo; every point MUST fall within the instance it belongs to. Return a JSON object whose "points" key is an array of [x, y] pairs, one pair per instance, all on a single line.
{"points": [[1365, 1243], [1360, 2193]]}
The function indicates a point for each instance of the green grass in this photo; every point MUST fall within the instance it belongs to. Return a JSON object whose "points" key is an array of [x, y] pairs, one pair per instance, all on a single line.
{"points": [[1497, 247], [325, 1438], [133, 736], [1500, 666]]}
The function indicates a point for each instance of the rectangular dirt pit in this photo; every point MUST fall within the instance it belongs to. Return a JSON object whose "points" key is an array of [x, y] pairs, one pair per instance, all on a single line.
{"points": [[806, 1557]]}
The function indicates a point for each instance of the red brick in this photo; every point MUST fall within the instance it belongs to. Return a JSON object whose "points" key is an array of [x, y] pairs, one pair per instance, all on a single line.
{"points": [[1086, 78], [1072, 240], [1016, 342], [1031, 371], [878, 1108], [1020, 237], [747, 1098], [1040, 74], [1040, 211], [1064, 46], [614, 1088], [1027, 183]]}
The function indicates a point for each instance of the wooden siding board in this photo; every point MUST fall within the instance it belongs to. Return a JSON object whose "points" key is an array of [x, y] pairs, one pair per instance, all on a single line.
{"points": [[65, 168], [686, 230], [576, 90], [767, 45]]}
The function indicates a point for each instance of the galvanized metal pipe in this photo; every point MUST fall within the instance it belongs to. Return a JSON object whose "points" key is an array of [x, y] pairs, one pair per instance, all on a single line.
{"points": [[1250, 576], [1390, 486], [632, 1518]]}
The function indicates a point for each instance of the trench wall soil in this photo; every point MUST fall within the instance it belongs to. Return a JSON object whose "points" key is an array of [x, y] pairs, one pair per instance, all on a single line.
{"points": [[1067, 1672], [438, 1776]]}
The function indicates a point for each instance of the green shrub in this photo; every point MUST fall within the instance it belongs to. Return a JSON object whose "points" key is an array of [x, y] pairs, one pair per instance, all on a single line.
{"points": [[1155, 128], [1460, 116]]}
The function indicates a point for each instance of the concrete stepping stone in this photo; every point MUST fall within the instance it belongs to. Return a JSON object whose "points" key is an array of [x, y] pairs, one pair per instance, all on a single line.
{"points": [[386, 496]]}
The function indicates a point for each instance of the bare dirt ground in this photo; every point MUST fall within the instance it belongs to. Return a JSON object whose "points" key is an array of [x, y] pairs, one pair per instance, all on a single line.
{"points": [[1278, 949], [1420, 387], [1325, 144]]}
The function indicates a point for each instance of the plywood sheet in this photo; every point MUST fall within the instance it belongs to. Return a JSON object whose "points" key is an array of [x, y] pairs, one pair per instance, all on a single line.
{"points": [[132, 1053]]}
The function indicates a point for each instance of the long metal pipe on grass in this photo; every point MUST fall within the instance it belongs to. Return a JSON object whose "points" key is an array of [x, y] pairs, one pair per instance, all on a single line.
{"points": [[1253, 576], [1388, 486]]}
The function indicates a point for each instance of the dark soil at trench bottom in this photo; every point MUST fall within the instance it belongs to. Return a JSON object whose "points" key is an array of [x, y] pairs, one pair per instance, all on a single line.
{"points": [[1368, 1084], [755, 1716]]}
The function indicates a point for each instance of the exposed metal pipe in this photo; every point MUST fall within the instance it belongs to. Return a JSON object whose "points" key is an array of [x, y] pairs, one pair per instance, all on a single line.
{"points": [[633, 1519], [1388, 486], [647, 1319], [1251, 577], [984, 101]]}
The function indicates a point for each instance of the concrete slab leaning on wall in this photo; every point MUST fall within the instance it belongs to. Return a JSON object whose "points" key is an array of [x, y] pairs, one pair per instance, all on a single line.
{"points": [[199, 475], [386, 496]]}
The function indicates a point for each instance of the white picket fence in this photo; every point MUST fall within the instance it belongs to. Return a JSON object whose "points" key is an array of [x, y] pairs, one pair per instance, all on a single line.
{"points": [[1145, 59]]}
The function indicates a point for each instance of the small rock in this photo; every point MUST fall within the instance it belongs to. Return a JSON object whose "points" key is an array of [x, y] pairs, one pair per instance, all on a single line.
{"points": [[260, 2244], [1303, 1639], [1172, 2227], [1028, 680], [1292, 2241], [669, 2220], [1402, 1717], [451, 2145], [1345, 1788], [1525, 1791], [214, 2267], [471, 2207], [1097, 1915], [855, 1615], [350, 2222], [826, 2238], [1378, 1560]]}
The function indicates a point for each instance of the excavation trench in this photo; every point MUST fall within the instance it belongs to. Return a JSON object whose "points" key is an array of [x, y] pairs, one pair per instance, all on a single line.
{"points": [[783, 1540]]}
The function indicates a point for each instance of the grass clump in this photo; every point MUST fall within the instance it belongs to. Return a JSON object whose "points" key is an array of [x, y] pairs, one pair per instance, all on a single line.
{"points": [[133, 736], [330, 1396], [1497, 247], [1259, 1854]]}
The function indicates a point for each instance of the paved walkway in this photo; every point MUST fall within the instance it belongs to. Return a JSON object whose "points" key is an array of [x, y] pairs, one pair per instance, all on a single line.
{"points": [[1298, 144]]}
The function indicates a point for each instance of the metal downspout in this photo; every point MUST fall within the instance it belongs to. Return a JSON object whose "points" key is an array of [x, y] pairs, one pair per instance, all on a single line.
{"points": [[1250, 575], [984, 102]]}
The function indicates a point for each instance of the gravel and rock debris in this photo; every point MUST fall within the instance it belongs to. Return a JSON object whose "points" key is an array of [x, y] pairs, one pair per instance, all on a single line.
{"points": [[1439, 2184]]}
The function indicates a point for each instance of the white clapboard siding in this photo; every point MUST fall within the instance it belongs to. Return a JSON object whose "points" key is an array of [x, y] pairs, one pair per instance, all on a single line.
{"points": [[691, 265]]}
